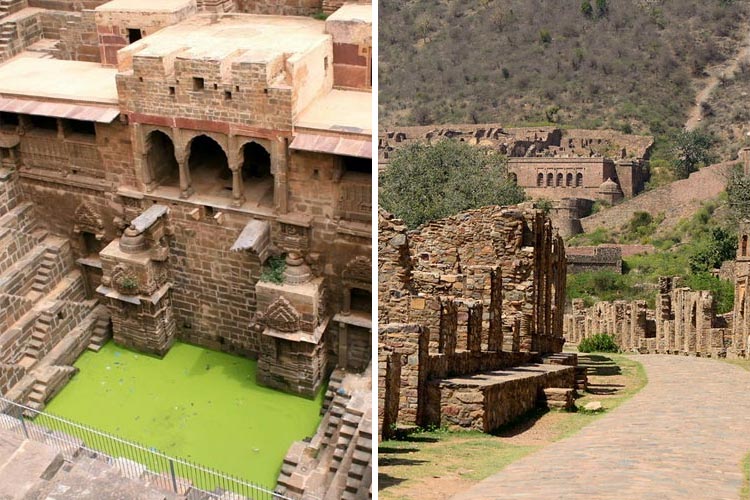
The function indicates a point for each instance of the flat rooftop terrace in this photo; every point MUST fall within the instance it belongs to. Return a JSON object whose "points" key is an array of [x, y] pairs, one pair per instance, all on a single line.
{"points": [[339, 111], [244, 37], [32, 77], [144, 6], [353, 11]]}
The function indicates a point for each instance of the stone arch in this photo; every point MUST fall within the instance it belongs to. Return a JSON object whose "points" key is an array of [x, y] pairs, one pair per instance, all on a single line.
{"points": [[579, 179], [569, 180], [257, 172], [208, 164], [559, 182], [540, 179], [161, 161], [514, 177], [550, 179]]}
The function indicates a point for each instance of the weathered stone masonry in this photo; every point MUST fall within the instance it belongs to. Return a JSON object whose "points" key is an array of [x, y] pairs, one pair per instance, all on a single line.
{"points": [[684, 322], [465, 301]]}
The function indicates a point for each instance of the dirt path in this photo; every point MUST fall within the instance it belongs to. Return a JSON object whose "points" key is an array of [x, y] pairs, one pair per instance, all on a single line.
{"points": [[727, 68], [683, 436]]}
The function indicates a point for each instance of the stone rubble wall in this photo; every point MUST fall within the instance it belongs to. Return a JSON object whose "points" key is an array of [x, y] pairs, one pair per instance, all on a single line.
{"points": [[684, 322], [521, 244], [468, 294], [389, 387], [461, 407]]}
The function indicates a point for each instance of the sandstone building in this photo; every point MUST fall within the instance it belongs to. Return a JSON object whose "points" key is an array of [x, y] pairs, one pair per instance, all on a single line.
{"points": [[156, 159], [548, 162], [470, 307]]}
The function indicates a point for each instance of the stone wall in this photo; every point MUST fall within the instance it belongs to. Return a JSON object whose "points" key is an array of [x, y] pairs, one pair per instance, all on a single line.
{"points": [[389, 388], [280, 7], [599, 258], [472, 293], [79, 40], [114, 27]]}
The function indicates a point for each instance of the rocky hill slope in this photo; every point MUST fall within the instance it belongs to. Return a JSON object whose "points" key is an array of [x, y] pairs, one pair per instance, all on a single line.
{"points": [[625, 64]]}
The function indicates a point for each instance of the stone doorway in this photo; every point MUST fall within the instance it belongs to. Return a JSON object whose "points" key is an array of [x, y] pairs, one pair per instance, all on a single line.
{"points": [[209, 168]]}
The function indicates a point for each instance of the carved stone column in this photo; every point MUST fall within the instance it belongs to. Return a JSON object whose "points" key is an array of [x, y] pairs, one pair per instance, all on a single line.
{"points": [[186, 188], [279, 168], [238, 190]]}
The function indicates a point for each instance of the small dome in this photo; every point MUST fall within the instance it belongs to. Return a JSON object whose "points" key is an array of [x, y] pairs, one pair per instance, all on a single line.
{"points": [[609, 187]]}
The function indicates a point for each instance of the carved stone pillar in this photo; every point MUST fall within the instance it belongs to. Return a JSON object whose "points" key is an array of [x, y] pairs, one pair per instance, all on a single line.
{"points": [[238, 191], [186, 188], [280, 166]]}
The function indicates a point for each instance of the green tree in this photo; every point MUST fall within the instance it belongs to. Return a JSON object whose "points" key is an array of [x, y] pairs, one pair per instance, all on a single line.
{"points": [[738, 191], [424, 182], [720, 246], [693, 150]]}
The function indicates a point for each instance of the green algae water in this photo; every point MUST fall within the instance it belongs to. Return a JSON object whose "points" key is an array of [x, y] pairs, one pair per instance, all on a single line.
{"points": [[195, 403]]}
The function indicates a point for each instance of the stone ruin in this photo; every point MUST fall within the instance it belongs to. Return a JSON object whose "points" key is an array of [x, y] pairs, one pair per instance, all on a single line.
{"points": [[470, 319], [548, 162], [572, 168], [192, 144], [684, 322]]}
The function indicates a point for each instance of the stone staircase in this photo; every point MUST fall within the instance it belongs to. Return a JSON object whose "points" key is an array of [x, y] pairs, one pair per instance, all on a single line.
{"points": [[102, 333], [19, 28], [31, 469], [46, 322], [39, 335], [7, 34], [8, 7], [337, 462], [44, 274]]}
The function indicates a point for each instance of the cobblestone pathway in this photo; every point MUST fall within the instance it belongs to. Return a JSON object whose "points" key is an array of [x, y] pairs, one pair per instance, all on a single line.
{"points": [[682, 436]]}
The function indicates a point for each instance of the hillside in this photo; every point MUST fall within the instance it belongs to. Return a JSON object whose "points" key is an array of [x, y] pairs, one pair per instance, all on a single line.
{"points": [[633, 65], [670, 203]]}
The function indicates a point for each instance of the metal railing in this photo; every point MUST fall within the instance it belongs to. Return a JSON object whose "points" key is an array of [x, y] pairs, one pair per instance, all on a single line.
{"points": [[85, 446]]}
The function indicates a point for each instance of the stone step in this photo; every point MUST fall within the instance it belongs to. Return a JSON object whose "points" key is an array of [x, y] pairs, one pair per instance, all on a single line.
{"points": [[361, 457], [36, 397], [26, 463], [558, 398], [27, 361], [39, 234], [35, 344]]}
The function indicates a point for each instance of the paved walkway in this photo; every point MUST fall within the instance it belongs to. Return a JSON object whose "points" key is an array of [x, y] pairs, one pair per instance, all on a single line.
{"points": [[682, 436]]}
